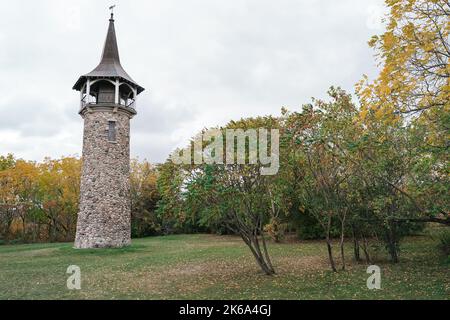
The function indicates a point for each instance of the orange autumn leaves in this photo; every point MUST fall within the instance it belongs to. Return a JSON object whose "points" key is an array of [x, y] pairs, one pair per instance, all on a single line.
{"points": [[413, 54]]}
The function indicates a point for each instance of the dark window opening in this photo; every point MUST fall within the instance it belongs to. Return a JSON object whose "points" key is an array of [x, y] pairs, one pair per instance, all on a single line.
{"points": [[112, 131]]}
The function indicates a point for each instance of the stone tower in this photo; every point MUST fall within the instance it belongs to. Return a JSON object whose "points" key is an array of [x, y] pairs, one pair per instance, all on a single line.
{"points": [[108, 102]]}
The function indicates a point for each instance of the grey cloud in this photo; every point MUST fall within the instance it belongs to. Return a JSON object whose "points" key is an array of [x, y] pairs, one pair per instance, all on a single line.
{"points": [[161, 117], [32, 117], [203, 62]]}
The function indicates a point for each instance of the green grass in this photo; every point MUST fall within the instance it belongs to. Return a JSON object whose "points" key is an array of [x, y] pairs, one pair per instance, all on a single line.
{"points": [[213, 267]]}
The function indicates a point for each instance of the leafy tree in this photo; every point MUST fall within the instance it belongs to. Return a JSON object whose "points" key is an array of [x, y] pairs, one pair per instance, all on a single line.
{"points": [[321, 170], [171, 206], [413, 91], [59, 188], [144, 198], [414, 53], [7, 162], [235, 196]]}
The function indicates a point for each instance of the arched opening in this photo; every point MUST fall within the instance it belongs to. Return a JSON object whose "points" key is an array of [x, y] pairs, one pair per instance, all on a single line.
{"points": [[127, 95], [87, 98], [103, 91], [107, 91]]}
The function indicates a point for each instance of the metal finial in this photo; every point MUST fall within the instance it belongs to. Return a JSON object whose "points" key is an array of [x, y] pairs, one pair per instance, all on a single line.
{"points": [[112, 11]]}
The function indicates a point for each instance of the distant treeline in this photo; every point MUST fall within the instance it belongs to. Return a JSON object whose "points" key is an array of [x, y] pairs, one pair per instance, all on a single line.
{"points": [[39, 201]]}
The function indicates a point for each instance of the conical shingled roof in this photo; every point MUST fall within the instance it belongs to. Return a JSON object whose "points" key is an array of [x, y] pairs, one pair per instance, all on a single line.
{"points": [[110, 63]]}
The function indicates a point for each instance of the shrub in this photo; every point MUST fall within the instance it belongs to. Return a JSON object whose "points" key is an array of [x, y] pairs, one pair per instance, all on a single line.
{"points": [[275, 229], [444, 241], [308, 228]]}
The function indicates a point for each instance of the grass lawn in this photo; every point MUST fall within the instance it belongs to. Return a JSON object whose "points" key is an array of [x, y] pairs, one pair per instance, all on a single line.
{"points": [[215, 267]]}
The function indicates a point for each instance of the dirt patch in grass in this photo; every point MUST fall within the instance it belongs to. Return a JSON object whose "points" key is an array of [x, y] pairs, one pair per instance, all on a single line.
{"points": [[212, 244], [296, 265], [188, 278], [216, 240], [37, 253], [181, 279]]}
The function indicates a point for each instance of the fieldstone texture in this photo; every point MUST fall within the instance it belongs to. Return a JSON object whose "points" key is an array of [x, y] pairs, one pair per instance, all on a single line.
{"points": [[105, 207]]}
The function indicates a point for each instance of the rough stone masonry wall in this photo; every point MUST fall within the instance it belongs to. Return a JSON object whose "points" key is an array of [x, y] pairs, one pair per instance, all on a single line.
{"points": [[105, 208]]}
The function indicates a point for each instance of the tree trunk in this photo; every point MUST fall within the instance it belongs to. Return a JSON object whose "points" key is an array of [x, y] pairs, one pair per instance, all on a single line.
{"points": [[356, 245], [391, 243], [329, 246], [366, 250], [342, 243], [266, 254], [330, 255], [253, 244], [24, 227]]}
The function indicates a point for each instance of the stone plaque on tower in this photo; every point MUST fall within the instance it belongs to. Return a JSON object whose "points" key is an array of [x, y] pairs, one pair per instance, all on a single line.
{"points": [[108, 103]]}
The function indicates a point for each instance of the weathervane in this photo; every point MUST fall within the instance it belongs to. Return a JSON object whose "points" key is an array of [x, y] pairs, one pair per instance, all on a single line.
{"points": [[112, 10]]}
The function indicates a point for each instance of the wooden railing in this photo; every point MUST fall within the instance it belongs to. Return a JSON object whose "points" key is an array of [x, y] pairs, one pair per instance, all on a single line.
{"points": [[130, 103]]}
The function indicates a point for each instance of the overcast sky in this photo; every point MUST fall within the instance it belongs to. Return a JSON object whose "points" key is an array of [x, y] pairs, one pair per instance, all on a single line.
{"points": [[202, 62]]}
